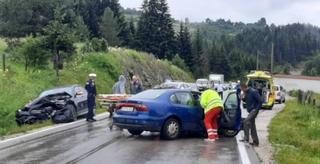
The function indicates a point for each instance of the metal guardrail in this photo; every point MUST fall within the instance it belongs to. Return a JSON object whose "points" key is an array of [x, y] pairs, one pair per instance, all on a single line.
{"points": [[107, 100]]}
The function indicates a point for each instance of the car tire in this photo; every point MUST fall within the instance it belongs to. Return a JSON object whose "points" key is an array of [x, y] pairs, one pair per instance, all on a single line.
{"points": [[135, 132], [284, 100], [171, 129], [73, 112], [280, 101]]}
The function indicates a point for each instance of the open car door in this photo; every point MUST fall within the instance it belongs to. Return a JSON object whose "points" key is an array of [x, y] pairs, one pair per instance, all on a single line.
{"points": [[230, 120]]}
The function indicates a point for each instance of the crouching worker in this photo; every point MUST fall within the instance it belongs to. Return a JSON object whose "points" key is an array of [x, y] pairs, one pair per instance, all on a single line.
{"points": [[212, 104]]}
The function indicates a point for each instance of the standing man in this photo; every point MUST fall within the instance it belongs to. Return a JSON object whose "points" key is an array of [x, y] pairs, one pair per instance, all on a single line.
{"points": [[136, 85], [92, 92], [254, 103], [212, 104]]}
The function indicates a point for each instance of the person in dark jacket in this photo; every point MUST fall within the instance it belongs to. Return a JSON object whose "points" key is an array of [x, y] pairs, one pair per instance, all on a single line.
{"points": [[92, 92], [254, 103], [136, 85]]}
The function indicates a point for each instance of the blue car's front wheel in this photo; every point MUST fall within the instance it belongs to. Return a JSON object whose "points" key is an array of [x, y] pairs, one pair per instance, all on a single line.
{"points": [[171, 129]]}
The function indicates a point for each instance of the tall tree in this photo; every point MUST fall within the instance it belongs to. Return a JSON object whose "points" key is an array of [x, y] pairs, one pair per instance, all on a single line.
{"points": [[168, 44], [109, 28], [197, 55], [124, 31], [59, 38], [132, 34], [185, 45], [155, 32]]}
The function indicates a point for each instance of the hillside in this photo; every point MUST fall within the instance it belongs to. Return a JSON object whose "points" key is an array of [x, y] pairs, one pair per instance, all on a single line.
{"points": [[18, 87]]}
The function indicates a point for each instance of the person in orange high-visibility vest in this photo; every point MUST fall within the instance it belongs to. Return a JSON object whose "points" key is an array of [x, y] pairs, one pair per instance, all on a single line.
{"points": [[212, 104]]}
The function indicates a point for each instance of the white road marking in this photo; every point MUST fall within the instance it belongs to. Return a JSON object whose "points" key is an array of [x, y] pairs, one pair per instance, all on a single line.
{"points": [[243, 151]]}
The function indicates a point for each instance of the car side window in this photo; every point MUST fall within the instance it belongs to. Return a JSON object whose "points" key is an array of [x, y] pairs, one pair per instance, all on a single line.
{"points": [[232, 101], [79, 91], [174, 99], [185, 98]]}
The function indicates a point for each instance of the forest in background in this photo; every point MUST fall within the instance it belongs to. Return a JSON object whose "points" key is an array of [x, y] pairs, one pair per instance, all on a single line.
{"points": [[41, 32]]}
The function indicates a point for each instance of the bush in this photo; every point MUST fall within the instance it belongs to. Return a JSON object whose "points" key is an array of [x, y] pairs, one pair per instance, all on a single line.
{"points": [[95, 45], [293, 93], [34, 53], [179, 62], [312, 66]]}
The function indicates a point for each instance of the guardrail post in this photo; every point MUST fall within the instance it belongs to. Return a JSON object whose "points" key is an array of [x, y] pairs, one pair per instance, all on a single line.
{"points": [[4, 62], [300, 95]]}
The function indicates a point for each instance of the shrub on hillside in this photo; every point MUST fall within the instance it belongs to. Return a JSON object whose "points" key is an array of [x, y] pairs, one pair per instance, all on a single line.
{"points": [[95, 45], [34, 53]]}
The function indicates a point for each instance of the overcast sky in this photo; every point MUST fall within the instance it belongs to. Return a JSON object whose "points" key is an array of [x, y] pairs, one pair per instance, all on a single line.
{"points": [[275, 11]]}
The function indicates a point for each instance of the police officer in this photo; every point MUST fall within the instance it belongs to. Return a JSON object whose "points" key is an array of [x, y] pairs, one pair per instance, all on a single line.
{"points": [[92, 92]]}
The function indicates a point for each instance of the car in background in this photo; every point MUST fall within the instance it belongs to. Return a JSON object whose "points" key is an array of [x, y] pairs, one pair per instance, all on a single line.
{"points": [[280, 94], [63, 104], [173, 85], [203, 84], [173, 112], [193, 87]]}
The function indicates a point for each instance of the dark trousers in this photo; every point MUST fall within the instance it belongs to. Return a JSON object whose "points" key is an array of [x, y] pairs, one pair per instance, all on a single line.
{"points": [[250, 125], [221, 95], [91, 105]]}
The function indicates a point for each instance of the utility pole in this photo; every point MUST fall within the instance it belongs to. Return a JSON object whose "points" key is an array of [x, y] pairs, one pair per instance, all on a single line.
{"points": [[272, 57], [257, 67]]}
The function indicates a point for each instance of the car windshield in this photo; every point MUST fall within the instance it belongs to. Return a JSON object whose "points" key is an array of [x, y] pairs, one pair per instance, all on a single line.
{"points": [[202, 81], [149, 94], [55, 91]]}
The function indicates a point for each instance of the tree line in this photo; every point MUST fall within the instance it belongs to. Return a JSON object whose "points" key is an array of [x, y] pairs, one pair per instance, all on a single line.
{"points": [[51, 28]]}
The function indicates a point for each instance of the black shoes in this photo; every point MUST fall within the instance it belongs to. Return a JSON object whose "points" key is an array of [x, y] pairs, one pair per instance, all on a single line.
{"points": [[254, 144], [243, 140], [91, 120]]}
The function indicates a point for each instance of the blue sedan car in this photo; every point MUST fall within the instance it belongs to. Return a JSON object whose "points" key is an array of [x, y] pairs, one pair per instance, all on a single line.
{"points": [[172, 112]]}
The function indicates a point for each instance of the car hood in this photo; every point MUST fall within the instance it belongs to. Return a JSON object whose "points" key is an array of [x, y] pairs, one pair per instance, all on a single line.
{"points": [[44, 96]]}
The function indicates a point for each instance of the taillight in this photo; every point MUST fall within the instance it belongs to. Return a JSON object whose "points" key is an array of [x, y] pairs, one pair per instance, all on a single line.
{"points": [[141, 108]]}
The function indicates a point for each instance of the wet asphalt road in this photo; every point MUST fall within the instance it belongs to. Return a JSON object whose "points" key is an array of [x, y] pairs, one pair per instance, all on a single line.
{"points": [[95, 143]]}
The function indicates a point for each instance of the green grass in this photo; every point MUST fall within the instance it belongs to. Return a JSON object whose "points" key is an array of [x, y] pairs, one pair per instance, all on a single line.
{"points": [[3, 45], [295, 134], [18, 87]]}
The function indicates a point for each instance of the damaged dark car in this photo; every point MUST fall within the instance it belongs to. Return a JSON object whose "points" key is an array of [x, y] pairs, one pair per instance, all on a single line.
{"points": [[62, 105]]}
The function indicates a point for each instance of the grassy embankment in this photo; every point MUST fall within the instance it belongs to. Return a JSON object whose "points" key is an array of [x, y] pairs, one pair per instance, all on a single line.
{"points": [[18, 87], [295, 134]]}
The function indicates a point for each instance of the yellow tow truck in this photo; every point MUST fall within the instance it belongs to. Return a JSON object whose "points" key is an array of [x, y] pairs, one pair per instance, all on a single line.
{"points": [[263, 82]]}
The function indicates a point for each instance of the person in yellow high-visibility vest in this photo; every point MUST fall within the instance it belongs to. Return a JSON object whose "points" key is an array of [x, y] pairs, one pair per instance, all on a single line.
{"points": [[212, 104]]}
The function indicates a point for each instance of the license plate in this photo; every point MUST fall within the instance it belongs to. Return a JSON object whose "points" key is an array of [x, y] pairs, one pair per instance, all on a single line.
{"points": [[127, 109]]}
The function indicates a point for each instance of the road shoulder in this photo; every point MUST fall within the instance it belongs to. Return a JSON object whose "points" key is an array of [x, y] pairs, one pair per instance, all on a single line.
{"points": [[47, 131], [265, 150]]}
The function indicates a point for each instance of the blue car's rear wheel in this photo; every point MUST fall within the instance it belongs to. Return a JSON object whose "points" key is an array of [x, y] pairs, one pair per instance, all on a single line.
{"points": [[171, 129]]}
